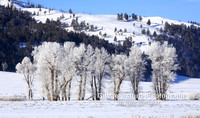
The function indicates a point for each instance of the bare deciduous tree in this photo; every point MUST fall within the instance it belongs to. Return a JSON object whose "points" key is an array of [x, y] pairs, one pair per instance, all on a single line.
{"points": [[135, 67], [118, 72], [164, 65], [27, 69]]}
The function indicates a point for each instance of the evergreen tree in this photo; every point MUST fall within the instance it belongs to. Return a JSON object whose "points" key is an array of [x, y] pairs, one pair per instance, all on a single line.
{"points": [[115, 39], [148, 32], [75, 24], [82, 25], [154, 34], [140, 18], [126, 16], [70, 11], [45, 12], [133, 33], [143, 31], [134, 16], [39, 6], [115, 29], [27, 2], [32, 5], [125, 30], [100, 33], [38, 13], [104, 35], [119, 17], [149, 22], [92, 28], [40, 9]]}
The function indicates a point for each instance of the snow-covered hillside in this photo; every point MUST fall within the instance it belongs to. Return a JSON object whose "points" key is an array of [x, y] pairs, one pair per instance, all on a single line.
{"points": [[104, 23]]}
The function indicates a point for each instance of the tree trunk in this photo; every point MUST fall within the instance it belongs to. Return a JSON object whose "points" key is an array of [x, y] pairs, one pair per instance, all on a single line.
{"points": [[64, 93], [92, 87], [95, 88], [80, 88], [56, 96], [100, 84], [30, 93], [137, 83], [49, 97], [69, 90], [84, 88], [117, 91], [52, 84]]}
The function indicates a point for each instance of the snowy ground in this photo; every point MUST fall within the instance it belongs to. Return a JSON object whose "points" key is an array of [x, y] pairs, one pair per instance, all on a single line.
{"points": [[103, 109], [12, 85]]}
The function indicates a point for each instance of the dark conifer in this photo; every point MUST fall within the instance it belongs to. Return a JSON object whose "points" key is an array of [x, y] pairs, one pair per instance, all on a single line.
{"points": [[149, 22]]}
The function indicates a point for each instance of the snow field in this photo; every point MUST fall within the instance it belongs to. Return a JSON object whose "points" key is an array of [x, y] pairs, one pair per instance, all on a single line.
{"points": [[11, 84]]}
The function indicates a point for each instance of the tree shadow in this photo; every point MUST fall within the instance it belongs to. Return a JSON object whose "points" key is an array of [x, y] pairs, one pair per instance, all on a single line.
{"points": [[181, 79]]}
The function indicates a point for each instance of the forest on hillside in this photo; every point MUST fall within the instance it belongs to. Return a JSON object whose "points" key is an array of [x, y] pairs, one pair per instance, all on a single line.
{"points": [[19, 33], [186, 40]]}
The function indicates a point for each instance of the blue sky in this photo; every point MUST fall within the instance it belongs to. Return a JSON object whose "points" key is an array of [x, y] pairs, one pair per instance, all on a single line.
{"points": [[183, 10]]}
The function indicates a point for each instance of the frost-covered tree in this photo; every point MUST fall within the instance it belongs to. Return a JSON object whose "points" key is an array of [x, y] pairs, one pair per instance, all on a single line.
{"points": [[118, 72], [48, 57], [164, 65], [82, 61], [68, 70], [88, 64], [135, 67], [27, 69], [44, 78], [102, 59], [4, 66]]}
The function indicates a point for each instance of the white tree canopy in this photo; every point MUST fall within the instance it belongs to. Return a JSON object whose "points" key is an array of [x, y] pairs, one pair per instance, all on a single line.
{"points": [[27, 69]]}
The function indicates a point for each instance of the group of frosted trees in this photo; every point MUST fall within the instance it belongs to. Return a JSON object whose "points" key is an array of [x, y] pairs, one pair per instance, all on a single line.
{"points": [[57, 66]]}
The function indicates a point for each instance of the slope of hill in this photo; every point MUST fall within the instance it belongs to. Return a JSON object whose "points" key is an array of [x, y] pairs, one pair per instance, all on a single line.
{"points": [[105, 24], [17, 3], [120, 32], [108, 23]]}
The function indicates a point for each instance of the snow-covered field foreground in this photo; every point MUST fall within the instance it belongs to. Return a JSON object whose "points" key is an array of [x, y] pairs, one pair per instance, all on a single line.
{"points": [[12, 86], [102, 109]]}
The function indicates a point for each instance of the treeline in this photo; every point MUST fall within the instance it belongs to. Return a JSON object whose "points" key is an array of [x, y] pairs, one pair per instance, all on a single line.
{"points": [[126, 17], [58, 66], [194, 23], [33, 5], [186, 40], [19, 33]]}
